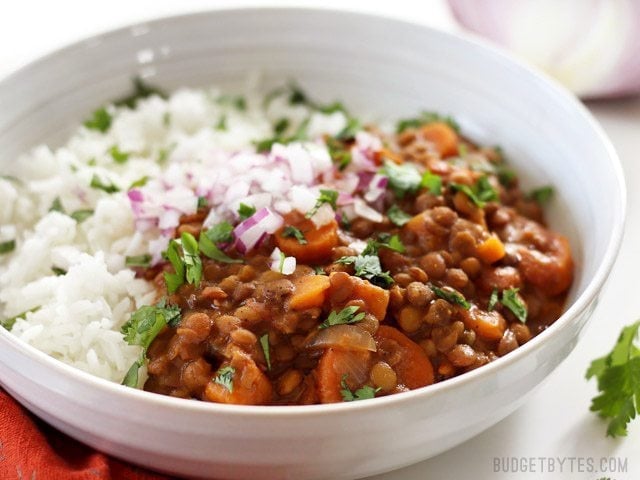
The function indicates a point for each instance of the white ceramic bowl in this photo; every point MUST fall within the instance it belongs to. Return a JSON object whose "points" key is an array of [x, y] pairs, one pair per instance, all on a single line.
{"points": [[378, 65]]}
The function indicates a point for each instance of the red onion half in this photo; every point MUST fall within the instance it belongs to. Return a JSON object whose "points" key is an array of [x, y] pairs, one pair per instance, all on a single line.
{"points": [[591, 46]]}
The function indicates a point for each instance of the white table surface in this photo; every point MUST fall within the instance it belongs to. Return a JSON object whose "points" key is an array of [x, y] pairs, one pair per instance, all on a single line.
{"points": [[555, 424]]}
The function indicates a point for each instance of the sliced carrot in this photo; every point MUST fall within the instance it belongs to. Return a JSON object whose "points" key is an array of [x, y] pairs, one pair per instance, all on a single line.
{"points": [[310, 291], [443, 136], [488, 325], [333, 365], [318, 241], [414, 369], [376, 299], [249, 386], [490, 250]]}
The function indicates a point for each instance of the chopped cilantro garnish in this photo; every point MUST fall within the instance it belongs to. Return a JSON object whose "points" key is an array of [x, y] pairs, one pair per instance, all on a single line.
{"points": [[100, 120], [163, 153], [10, 322], [118, 155], [220, 233], [431, 182], [299, 135], [7, 246], [451, 296], [480, 193], [56, 206], [290, 231], [385, 240], [397, 216], [281, 126], [245, 211], [541, 195], [346, 316], [513, 302], [264, 343], [202, 203], [174, 280], [403, 179], [339, 152], [506, 176], [424, 119], [58, 271], [141, 89], [142, 328], [191, 258], [281, 262], [236, 101], [222, 123], [493, 300], [225, 377], [618, 376], [81, 215], [368, 267], [352, 127], [141, 182], [364, 393], [329, 197], [143, 260], [98, 184]]}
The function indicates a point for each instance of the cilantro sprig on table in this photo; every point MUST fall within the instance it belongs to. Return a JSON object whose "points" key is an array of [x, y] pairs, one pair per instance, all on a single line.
{"points": [[618, 377]]}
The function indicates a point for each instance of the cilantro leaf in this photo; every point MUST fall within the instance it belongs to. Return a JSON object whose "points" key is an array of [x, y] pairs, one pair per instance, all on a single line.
{"points": [[118, 155], [480, 193], [245, 211], [541, 195], [618, 377], [100, 120], [264, 343], [451, 296], [346, 316], [10, 322], [98, 184], [364, 393], [431, 182], [384, 240], [220, 233], [225, 377], [8, 246], [174, 280], [352, 127], [191, 258], [513, 302], [397, 216], [493, 300], [142, 328], [340, 152], [202, 202], [145, 323], [138, 260], [290, 231], [368, 267], [426, 118], [56, 206], [221, 126], [403, 179], [141, 89], [141, 182], [81, 215], [58, 271], [329, 197]]}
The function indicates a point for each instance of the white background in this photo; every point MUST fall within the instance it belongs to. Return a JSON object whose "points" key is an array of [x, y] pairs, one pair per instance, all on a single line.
{"points": [[555, 422]]}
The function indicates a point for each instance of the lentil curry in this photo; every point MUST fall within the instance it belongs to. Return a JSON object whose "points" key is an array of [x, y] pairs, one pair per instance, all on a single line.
{"points": [[454, 269]]}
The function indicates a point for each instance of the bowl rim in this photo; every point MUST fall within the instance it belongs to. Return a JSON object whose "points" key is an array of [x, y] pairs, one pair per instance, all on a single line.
{"points": [[500, 56]]}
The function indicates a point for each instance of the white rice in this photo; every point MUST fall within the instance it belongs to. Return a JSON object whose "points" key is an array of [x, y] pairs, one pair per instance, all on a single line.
{"points": [[76, 317]]}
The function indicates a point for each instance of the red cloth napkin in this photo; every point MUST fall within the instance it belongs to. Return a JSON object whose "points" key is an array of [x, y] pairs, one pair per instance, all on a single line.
{"points": [[31, 449]]}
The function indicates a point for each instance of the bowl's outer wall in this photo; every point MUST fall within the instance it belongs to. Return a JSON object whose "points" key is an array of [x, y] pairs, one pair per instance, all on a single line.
{"points": [[386, 68]]}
